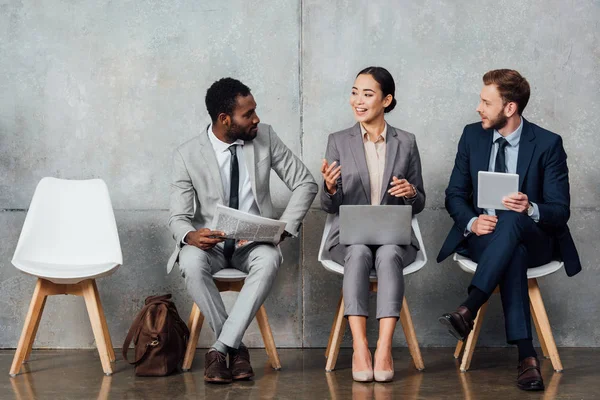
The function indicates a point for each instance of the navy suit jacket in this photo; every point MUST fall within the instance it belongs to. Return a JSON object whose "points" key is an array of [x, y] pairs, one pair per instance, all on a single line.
{"points": [[543, 177]]}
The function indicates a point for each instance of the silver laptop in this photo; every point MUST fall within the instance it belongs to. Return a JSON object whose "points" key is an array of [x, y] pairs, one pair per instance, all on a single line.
{"points": [[375, 225], [493, 186]]}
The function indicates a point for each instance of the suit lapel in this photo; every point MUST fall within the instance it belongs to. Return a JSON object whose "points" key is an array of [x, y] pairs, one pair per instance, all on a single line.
{"points": [[482, 161], [526, 148], [249, 157], [210, 159], [358, 152], [391, 150]]}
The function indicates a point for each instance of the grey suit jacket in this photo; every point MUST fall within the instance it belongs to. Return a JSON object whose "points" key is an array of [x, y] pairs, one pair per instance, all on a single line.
{"points": [[196, 188], [354, 188]]}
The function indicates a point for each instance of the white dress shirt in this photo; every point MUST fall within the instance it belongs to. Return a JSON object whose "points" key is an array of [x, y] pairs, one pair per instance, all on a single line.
{"points": [[247, 203]]}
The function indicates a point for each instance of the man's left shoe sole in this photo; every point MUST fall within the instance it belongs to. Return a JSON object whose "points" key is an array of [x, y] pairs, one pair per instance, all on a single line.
{"points": [[243, 376], [217, 380], [446, 320], [531, 387]]}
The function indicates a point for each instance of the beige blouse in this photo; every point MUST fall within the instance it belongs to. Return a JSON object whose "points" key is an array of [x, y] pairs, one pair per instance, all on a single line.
{"points": [[375, 155]]}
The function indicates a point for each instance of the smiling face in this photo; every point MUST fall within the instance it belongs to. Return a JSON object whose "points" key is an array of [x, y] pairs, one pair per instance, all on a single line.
{"points": [[367, 100]]}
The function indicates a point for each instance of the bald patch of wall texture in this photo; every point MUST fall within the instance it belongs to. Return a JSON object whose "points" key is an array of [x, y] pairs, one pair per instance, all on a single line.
{"points": [[108, 89]]}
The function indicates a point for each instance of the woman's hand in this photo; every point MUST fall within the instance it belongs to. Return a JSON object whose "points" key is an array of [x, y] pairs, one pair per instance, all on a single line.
{"points": [[331, 174], [401, 188]]}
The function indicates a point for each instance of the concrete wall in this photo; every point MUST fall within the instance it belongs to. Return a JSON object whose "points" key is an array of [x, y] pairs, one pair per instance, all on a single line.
{"points": [[108, 89]]}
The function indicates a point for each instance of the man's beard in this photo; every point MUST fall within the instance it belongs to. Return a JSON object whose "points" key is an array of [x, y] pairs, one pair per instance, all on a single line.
{"points": [[236, 132], [499, 122]]}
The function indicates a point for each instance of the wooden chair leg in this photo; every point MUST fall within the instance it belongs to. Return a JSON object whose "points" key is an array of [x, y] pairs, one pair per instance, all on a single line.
{"points": [[459, 348], [267, 335], [472, 339], [92, 302], [109, 345], [337, 310], [540, 334], [195, 326], [31, 321], [539, 312], [411, 336], [339, 326], [33, 336]]}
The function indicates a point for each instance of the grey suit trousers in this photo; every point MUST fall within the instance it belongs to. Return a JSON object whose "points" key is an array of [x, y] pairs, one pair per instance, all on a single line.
{"points": [[259, 260], [389, 261]]}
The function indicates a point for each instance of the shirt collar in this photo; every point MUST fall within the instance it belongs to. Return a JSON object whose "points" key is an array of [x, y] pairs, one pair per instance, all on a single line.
{"points": [[218, 145], [512, 139], [382, 135]]}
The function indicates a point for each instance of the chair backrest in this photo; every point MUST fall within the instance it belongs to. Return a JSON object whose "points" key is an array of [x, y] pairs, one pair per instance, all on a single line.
{"points": [[69, 222], [325, 258]]}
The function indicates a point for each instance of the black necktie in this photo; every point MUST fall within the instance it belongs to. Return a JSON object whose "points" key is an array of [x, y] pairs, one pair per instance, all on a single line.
{"points": [[501, 155], [234, 200]]}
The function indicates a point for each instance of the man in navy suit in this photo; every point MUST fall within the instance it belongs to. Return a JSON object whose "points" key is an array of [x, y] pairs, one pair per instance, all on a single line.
{"points": [[531, 233]]}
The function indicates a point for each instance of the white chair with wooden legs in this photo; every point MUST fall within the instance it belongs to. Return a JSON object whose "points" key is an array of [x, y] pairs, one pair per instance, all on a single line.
{"points": [[339, 322], [538, 314], [230, 279], [69, 239]]}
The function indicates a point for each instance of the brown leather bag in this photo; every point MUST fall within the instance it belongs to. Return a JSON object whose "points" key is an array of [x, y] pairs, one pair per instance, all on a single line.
{"points": [[160, 337]]}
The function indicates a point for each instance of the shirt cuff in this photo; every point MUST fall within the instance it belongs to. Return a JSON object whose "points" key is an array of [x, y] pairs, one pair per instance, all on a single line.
{"points": [[183, 237], [469, 225], [536, 213]]}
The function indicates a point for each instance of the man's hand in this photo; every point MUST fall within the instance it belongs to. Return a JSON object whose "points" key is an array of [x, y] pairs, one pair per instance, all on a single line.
{"points": [[331, 173], [402, 188], [484, 224], [518, 202], [204, 238]]}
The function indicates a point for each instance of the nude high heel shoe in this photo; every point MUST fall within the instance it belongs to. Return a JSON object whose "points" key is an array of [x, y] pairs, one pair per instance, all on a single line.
{"points": [[362, 376], [384, 376]]}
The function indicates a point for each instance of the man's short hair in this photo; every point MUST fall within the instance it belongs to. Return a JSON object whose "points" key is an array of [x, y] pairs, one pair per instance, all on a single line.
{"points": [[221, 96], [511, 85]]}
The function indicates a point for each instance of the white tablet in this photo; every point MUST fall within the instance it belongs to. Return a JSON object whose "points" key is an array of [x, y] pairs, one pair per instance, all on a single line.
{"points": [[493, 186]]}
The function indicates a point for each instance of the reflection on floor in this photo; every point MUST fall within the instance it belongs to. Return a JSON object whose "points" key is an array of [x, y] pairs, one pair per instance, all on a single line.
{"points": [[77, 374]]}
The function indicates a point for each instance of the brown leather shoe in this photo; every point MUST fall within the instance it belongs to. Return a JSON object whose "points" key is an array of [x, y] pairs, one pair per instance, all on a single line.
{"points": [[459, 323], [239, 364], [529, 376], [215, 368]]}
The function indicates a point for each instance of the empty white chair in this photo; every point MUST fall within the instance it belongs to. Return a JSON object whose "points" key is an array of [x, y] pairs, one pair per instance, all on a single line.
{"points": [[538, 313], [339, 322], [69, 239]]}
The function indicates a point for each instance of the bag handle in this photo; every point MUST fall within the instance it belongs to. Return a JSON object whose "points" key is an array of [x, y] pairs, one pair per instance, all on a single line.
{"points": [[133, 330]]}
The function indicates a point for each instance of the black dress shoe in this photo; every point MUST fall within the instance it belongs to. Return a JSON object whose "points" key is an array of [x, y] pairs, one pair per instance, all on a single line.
{"points": [[215, 368], [239, 364], [459, 323], [529, 376]]}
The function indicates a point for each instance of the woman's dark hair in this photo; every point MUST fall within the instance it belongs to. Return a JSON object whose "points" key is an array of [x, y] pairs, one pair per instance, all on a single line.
{"points": [[386, 83]]}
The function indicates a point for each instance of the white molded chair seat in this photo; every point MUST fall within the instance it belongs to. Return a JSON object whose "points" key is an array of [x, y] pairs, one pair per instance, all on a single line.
{"points": [[339, 322], [470, 266], [230, 275], [70, 233]]}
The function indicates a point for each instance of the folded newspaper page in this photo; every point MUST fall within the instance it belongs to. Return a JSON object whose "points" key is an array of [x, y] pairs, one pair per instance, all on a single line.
{"points": [[243, 226]]}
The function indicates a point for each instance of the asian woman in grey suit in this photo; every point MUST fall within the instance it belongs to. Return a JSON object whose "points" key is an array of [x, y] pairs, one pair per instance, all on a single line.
{"points": [[372, 163]]}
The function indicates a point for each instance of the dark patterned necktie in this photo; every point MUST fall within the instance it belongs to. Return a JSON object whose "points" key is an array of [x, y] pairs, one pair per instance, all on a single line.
{"points": [[501, 155], [234, 199]]}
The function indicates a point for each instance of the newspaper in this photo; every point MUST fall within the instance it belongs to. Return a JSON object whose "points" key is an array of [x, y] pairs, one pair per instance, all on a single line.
{"points": [[243, 226]]}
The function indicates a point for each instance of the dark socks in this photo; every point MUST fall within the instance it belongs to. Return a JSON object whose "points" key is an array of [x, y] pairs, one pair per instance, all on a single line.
{"points": [[475, 300], [526, 349]]}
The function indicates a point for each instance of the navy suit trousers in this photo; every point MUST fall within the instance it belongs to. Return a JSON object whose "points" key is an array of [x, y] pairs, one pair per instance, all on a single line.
{"points": [[503, 257]]}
